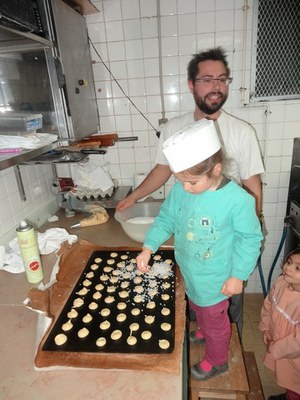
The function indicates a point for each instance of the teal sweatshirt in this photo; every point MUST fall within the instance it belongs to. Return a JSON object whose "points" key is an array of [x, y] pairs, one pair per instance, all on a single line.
{"points": [[217, 235]]}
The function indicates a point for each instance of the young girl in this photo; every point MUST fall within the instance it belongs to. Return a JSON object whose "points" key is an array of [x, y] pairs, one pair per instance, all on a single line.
{"points": [[280, 323], [217, 237]]}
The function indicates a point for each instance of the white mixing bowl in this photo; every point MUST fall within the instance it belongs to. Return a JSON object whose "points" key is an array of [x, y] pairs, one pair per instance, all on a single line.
{"points": [[137, 219]]}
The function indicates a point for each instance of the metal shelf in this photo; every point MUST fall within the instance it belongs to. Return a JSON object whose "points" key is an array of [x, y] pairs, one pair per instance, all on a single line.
{"points": [[10, 160], [12, 40]]}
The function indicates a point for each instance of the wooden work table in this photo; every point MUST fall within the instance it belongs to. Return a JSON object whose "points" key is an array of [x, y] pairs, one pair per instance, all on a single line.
{"points": [[19, 377]]}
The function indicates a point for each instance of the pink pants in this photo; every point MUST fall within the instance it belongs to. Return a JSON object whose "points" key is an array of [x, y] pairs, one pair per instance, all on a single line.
{"points": [[292, 395], [214, 323]]}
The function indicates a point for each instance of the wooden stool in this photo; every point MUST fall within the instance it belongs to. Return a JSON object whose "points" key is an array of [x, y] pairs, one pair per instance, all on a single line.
{"points": [[232, 384]]}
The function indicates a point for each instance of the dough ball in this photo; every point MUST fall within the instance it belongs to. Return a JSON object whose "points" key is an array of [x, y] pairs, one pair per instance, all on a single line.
{"points": [[121, 264], [116, 272], [86, 282], [126, 275], [138, 298], [134, 326], [113, 279], [150, 305], [124, 257], [121, 306], [131, 340], [90, 275], [166, 285], [117, 334], [110, 261], [83, 291], [121, 317], [123, 294], [109, 299], [135, 311], [104, 277], [105, 312], [105, 325], [157, 257], [111, 289], [165, 297], [98, 260], [107, 269], [94, 267], [165, 311], [60, 339], [168, 261], [97, 295], [101, 341], [149, 319], [82, 333], [78, 302], [99, 286], [146, 335], [93, 306], [87, 318], [137, 280], [130, 267], [165, 326], [164, 344], [125, 284], [138, 289], [67, 326], [114, 255], [152, 292], [72, 314]]}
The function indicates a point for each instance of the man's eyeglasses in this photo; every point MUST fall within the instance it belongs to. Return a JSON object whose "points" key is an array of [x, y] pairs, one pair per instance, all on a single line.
{"points": [[210, 81]]}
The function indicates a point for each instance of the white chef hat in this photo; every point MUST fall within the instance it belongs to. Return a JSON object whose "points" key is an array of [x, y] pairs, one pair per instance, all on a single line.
{"points": [[191, 145]]}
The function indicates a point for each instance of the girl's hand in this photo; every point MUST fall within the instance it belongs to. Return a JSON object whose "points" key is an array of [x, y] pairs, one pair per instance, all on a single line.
{"points": [[232, 286], [142, 260], [267, 338]]}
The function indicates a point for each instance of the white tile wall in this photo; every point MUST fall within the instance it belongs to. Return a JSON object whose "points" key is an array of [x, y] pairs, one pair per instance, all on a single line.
{"points": [[124, 33]]}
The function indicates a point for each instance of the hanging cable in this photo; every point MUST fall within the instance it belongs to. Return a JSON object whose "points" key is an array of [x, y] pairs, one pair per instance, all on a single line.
{"points": [[120, 87]]}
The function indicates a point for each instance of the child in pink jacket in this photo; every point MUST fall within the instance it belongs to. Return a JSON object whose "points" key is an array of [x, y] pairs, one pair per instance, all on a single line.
{"points": [[280, 323]]}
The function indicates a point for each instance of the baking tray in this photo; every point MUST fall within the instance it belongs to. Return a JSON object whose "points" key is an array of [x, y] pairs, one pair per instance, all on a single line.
{"points": [[114, 276]]}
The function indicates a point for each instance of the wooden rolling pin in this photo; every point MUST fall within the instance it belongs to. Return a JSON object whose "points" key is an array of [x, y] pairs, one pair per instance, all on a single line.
{"points": [[109, 139]]}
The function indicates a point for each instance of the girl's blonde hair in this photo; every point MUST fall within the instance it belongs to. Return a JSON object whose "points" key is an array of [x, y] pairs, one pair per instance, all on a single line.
{"points": [[205, 167]]}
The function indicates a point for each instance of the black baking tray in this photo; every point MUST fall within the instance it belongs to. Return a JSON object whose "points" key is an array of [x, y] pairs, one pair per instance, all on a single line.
{"points": [[165, 285]]}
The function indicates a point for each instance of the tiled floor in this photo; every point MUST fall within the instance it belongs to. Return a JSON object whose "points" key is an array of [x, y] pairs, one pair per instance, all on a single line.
{"points": [[252, 341]]}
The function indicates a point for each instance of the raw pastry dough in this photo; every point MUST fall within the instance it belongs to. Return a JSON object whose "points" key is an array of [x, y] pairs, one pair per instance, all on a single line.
{"points": [[107, 269], [83, 291], [149, 319], [166, 285], [138, 289], [111, 289], [110, 261], [124, 257], [105, 325], [97, 295], [165, 296], [137, 280], [121, 305], [125, 284], [135, 311], [105, 312], [165, 311], [134, 326], [90, 275], [165, 326], [123, 294], [116, 334], [67, 326], [157, 257], [104, 277], [99, 286], [121, 317], [146, 335], [138, 298], [131, 340], [101, 341], [93, 305], [150, 305], [82, 333], [87, 318], [98, 260], [109, 299], [94, 267], [72, 314], [86, 282], [60, 339], [78, 302], [114, 254], [114, 279], [164, 344]]}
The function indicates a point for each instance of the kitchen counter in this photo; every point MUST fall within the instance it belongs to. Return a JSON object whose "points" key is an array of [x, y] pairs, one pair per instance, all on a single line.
{"points": [[19, 378]]}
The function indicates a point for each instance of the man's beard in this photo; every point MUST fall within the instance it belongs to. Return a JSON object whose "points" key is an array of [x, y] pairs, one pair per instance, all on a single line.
{"points": [[210, 109]]}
